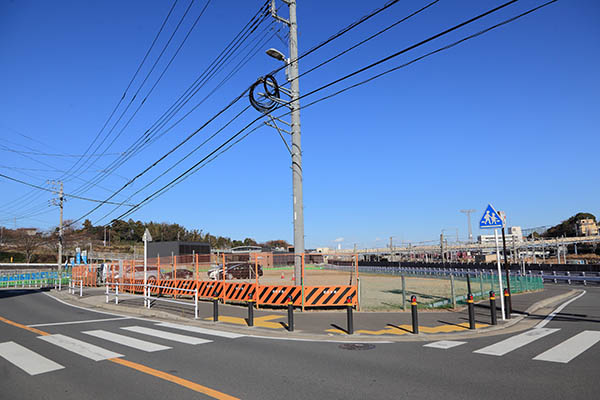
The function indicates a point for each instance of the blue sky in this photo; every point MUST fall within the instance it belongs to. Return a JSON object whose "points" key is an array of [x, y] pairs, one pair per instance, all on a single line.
{"points": [[510, 117]]}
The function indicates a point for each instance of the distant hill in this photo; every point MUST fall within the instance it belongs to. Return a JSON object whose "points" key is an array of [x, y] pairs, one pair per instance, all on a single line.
{"points": [[568, 227]]}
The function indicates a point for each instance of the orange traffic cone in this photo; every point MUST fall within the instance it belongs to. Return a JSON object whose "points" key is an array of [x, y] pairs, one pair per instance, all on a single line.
{"points": [[282, 276]]}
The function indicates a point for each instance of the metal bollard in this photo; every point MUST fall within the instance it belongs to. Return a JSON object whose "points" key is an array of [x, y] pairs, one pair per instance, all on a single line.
{"points": [[290, 305], [471, 311], [107, 293], [493, 307], [80, 288], [250, 311], [506, 304], [117, 293], [415, 317], [349, 318], [215, 309]]}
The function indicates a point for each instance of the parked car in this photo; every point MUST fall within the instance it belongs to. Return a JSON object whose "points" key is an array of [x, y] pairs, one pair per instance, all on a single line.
{"points": [[180, 274], [235, 271]]}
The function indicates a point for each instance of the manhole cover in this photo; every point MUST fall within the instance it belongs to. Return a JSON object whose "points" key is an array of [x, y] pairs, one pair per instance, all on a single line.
{"points": [[357, 346]]}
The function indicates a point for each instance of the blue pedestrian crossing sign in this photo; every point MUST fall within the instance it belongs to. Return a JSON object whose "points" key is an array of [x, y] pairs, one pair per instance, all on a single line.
{"points": [[490, 219]]}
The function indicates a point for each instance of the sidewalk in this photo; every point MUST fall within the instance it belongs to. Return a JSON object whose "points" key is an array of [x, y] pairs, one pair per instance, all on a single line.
{"points": [[331, 324]]}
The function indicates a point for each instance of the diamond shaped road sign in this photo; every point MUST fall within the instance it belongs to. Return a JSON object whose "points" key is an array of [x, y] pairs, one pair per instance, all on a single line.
{"points": [[490, 219], [147, 236]]}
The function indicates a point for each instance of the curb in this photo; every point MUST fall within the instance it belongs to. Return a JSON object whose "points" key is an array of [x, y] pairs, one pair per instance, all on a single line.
{"points": [[298, 335]]}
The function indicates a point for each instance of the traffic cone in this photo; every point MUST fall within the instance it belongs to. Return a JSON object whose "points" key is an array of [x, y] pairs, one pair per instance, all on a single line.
{"points": [[293, 276], [282, 276]]}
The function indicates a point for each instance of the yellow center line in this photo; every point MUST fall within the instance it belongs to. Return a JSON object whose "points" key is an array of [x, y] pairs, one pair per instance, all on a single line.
{"points": [[172, 378], [24, 327], [142, 368]]}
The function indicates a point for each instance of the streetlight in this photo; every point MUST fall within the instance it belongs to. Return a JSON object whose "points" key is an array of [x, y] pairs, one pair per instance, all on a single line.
{"points": [[276, 54]]}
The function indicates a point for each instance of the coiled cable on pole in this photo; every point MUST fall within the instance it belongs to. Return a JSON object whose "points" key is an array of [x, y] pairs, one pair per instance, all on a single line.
{"points": [[267, 100]]}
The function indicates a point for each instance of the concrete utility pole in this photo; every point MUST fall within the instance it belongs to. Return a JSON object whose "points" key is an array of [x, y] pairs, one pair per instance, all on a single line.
{"points": [[468, 213], [296, 150], [59, 202], [441, 247]]}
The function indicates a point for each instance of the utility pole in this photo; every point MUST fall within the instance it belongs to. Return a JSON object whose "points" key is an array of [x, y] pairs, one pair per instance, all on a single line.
{"points": [[296, 150], [442, 246], [391, 250], [59, 202], [105, 236], [468, 213]]}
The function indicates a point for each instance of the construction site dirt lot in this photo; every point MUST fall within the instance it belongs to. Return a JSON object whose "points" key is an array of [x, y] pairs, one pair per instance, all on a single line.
{"points": [[378, 292]]}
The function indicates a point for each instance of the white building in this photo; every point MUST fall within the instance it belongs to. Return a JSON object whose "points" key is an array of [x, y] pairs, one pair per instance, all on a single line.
{"points": [[514, 234]]}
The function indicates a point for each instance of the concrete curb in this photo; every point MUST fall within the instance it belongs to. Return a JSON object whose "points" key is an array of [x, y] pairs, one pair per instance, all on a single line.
{"points": [[513, 325]]}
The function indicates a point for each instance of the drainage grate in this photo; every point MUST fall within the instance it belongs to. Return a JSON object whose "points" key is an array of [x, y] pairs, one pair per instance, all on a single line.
{"points": [[357, 346]]}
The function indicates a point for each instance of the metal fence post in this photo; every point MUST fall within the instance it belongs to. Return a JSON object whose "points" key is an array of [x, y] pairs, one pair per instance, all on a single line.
{"points": [[471, 311], [215, 309], [481, 284], [415, 317], [349, 318], [493, 308], [196, 303], [403, 292], [290, 314], [452, 292]]}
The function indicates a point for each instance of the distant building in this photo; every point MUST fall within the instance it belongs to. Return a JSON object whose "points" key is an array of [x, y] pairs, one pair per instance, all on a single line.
{"points": [[246, 249], [514, 234], [176, 248], [587, 227], [28, 231]]}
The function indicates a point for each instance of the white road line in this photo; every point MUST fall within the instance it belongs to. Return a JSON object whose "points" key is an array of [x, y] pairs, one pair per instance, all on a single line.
{"points": [[79, 347], [444, 344], [570, 348], [559, 309], [127, 341], [515, 342], [78, 322], [29, 361], [166, 335], [204, 331]]}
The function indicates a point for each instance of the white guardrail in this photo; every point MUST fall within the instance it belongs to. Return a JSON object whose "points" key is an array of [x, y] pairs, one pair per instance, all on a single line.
{"points": [[147, 296]]}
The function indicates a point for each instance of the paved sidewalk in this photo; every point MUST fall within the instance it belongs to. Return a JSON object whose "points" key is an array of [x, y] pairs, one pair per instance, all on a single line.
{"points": [[330, 324]]}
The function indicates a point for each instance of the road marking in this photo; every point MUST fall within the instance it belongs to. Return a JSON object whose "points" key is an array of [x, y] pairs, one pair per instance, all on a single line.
{"points": [[78, 322], [204, 331], [166, 335], [29, 361], [263, 321], [127, 341], [515, 342], [444, 344], [570, 348], [559, 309], [84, 349], [7, 321], [215, 394], [405, 329]]}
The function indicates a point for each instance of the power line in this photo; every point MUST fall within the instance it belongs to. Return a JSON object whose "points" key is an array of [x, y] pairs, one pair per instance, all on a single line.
{"points": [[143, 81], [129, 84], [189, 171], [216, 65], [52, 191]]}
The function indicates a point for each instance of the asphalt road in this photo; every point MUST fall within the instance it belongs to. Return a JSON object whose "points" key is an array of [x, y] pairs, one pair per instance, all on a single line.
{"points": [[33, 365]]}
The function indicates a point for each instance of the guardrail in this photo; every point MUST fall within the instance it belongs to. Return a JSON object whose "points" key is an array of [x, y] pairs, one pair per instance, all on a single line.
{"points": [[147, 294]]}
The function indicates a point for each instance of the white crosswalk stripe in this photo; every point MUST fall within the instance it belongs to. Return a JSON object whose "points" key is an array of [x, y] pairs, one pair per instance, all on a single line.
{"points": [[166, 335], [515, 342], [444, 344], [204, 331], [29, 361], [570, 348], [127, 341], [82, 348]]}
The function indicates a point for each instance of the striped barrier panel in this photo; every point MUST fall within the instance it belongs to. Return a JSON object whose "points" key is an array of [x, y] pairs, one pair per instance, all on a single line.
{"points": [[278, 295], [239, 291], [323, 296]]}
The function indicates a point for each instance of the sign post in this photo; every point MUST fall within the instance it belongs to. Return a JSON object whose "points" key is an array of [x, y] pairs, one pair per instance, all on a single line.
{"points": [[506, 266], [146, 238], [491, 220]]}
